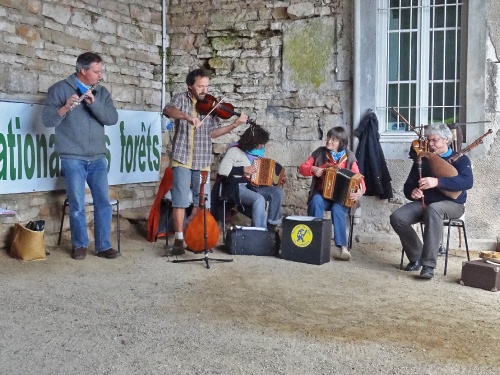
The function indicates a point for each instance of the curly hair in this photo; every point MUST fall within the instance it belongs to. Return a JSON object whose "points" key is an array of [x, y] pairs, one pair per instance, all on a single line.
{"points": [[252, 137]]}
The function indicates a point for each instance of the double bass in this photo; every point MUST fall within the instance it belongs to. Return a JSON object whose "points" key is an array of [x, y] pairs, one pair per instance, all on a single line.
{"points": [[202, 223]]}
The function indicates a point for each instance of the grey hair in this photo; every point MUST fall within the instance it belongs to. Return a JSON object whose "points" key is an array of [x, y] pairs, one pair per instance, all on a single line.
{"points": [[440, 129]]}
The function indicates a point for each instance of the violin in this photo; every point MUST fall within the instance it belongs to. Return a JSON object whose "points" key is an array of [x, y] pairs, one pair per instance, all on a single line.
{"points": [[210, 104]]}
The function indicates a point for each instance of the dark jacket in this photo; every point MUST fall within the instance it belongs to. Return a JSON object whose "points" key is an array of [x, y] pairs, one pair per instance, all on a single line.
{"points": [[371, 160], [462, 182]]}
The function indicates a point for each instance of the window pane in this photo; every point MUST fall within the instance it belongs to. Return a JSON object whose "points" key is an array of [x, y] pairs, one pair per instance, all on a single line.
{"points": [[451, 16], [405, 19], [450, 56], [438, 17], [449, 115], [393, 56], [437, 66], [405, 3], [404, 56], [414, 55], [449, 94], [436, 115], [394, 19], [404, 95], [392, 95], [413, 94], [437, 94]]}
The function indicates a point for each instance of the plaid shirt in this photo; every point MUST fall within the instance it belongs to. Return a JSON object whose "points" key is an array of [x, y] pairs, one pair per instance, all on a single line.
{"points": [[185, 136]]}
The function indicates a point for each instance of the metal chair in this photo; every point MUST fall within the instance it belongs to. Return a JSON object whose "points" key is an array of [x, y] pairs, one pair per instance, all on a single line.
{"points": [[90, 202], [460, 224]]}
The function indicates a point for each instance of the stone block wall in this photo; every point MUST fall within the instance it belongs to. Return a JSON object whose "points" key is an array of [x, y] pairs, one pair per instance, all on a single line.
{"points": [[287, 64], [39, 43]]}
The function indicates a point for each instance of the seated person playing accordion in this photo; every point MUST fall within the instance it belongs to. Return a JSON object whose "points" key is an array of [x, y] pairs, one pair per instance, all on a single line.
{"points": [[238, 165], [333, 154]]}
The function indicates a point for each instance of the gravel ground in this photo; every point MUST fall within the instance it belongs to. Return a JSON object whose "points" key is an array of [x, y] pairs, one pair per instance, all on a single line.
{"points": [[141, 314]]}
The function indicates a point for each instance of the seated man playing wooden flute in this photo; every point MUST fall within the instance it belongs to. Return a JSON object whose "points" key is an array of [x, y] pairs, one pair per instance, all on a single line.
{"points": [[436, 195]]}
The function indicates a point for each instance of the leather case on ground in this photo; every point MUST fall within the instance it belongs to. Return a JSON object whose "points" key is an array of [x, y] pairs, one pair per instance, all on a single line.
{"points": [[479, 274], [252, 241]]}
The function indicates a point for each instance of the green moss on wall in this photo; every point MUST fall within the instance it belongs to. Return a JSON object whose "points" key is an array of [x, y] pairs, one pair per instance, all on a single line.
{"points": [[308, 52]]}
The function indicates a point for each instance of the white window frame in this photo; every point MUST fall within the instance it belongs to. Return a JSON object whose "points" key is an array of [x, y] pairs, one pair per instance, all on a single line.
{"points": [[424, 64], [474, 34]]}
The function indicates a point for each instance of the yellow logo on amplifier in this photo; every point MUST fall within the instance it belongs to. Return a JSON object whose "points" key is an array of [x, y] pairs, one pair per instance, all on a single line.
{"points": [[301, 235]]}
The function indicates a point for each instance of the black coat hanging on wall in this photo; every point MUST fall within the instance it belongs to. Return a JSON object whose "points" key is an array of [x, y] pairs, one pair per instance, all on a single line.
{"points": [[371, 160]]}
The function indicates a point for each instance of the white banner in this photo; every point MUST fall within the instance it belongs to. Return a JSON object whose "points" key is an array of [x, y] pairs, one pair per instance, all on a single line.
{"points": [[28, 161]]}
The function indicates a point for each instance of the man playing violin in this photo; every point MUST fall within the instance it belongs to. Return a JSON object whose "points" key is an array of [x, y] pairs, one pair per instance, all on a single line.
{"points": [[429, 204], [192, 147]]}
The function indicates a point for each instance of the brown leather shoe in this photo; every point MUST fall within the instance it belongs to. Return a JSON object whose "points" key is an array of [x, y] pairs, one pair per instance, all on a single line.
{"points": [[108, 254], [79, 254]]}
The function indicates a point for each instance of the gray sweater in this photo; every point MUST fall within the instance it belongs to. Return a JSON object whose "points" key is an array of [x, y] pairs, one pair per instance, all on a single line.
{"points": [[80, 133]]}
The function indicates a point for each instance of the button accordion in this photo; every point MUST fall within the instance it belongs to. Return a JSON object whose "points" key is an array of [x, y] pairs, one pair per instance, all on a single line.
{"points": [[269, 173], [339, 183]]}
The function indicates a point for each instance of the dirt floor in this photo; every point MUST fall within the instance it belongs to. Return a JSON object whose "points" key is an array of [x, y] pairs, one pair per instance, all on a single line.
{"points": [[142, 314]]}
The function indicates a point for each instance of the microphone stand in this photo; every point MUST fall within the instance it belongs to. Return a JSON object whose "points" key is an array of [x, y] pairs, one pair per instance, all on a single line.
{"points": [[206, 258]]}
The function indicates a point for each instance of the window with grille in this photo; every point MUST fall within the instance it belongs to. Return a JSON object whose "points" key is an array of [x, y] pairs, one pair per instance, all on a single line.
{"points": [[418, 63]]}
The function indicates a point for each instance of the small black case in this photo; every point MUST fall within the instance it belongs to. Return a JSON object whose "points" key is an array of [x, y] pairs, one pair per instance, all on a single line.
{"points": [[252, 241]]}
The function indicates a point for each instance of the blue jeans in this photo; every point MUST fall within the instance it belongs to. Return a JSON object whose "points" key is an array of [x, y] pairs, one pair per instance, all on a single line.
{"points": [[257, 200], [317, 205], [95, 173]]}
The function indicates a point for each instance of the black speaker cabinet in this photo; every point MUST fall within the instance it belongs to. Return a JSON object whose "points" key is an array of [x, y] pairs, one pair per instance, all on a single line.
{"points": [[306, 239]]}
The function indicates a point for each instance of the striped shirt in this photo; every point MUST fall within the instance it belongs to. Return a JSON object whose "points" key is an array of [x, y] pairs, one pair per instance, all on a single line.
{"points": [[192, 147]]}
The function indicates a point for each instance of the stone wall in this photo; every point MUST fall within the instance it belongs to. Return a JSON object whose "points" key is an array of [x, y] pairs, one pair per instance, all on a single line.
{"points": [[39, 43], [286, 64]]}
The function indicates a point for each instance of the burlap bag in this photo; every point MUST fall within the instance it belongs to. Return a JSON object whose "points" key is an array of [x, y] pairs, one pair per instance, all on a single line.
{"points": [[27, 244]]}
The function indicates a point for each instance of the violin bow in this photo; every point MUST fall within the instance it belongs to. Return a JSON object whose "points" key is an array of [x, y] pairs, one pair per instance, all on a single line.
{"points": [[213, 108]]}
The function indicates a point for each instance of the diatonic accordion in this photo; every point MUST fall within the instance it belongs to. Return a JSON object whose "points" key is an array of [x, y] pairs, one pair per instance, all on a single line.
{"points": [[269, 173], [339, 183]]}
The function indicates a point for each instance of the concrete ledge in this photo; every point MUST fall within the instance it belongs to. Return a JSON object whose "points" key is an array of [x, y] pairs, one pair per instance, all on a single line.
{"points": [[474, 244]]}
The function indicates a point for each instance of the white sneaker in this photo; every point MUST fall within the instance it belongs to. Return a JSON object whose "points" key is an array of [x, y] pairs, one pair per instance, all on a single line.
{"points": [[337, 253], [344, 253]]}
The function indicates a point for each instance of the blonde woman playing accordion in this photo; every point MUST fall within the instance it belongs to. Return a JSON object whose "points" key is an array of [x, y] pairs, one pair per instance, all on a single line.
{"points": [[431, 201]]}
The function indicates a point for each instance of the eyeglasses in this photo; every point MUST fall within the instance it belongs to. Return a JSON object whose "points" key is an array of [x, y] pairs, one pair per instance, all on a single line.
{"points": [[434, 140]]}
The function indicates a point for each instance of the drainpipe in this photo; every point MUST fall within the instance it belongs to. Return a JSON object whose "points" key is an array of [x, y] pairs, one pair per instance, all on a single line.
{"points": [[164, 62], [356, 78]]}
